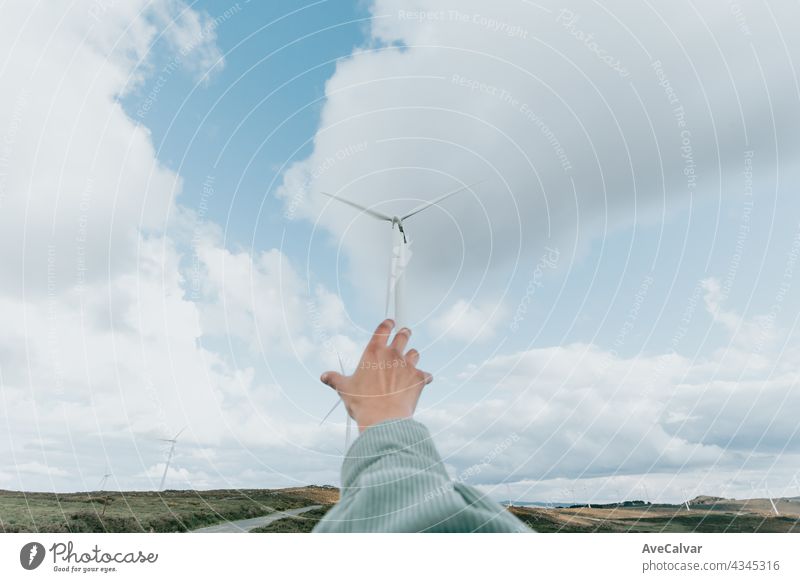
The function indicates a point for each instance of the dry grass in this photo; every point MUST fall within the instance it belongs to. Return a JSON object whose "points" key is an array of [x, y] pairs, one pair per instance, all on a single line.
{"points": [[724, 515], [143, 511]]}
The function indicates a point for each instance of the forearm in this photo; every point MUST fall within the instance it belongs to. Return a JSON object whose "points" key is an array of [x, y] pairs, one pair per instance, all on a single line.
{"points": [[393, 480]]}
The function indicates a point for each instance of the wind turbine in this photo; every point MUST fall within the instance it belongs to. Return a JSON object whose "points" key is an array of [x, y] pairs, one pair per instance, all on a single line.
{"points": [[173, 440], [769, 496], [103, 481], [395, 289], [686, 499]]}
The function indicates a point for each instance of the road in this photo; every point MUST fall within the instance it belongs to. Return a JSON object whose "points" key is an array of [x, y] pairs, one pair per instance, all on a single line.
{"points": [[245, 525]]}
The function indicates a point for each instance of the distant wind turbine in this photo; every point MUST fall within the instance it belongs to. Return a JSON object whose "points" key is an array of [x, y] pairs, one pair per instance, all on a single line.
{"points": [[769, 496], [173, 440], [103, 481], [796, 484]]}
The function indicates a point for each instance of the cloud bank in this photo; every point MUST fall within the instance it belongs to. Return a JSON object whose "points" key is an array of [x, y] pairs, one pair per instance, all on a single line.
{"points": [[581, 117]]}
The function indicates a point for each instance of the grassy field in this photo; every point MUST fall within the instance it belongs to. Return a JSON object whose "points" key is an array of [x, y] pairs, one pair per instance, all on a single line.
{"points": [[180, 511], [711, 516], [144, 511]]}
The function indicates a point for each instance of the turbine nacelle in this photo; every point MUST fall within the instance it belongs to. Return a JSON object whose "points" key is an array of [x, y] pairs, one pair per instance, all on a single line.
{"points": [[397, 221]]}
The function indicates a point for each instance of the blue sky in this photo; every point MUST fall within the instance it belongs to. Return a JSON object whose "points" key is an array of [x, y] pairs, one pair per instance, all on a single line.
{"points": [[259, 111], [628, 324]]}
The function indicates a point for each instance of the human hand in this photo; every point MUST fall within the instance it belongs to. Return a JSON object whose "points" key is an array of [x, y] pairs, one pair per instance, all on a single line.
{"points": [[386, 384]]}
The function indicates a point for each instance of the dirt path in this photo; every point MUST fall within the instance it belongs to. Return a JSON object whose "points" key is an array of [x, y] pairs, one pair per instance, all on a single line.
{"points": [[245, 525]]}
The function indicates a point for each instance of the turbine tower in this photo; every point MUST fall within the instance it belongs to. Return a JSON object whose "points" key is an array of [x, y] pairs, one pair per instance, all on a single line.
{"points": [[173, 440]]}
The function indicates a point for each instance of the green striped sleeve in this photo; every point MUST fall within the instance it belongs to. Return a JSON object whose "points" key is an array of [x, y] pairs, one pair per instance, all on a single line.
{"points": [[393, 480]]}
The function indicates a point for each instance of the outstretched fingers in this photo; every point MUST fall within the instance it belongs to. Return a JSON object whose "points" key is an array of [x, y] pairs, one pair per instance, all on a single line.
{"points": [[401, 340], [381, 335]]}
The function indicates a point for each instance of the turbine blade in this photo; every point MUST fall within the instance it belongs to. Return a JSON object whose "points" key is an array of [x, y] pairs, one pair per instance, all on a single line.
{"points": [[179, 433], [440, 199], [338, 402], [373, 213], [335, 406]]}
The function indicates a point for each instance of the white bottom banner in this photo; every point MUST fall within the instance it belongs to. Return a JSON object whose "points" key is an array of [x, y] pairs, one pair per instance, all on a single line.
{"points": [[399, 557]]}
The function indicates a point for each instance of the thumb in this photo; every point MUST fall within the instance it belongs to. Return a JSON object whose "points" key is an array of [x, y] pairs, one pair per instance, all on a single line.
{"points": [[332, 379]]}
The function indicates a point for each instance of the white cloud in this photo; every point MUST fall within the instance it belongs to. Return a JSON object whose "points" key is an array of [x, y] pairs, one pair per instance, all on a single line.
{"points": [[750, 337], [446, 92], [121, 363], [79, 177], [39, 469], [103, 349], [578, 411], [467, 322], [178, 477], [194, 33], [261, 299]]}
